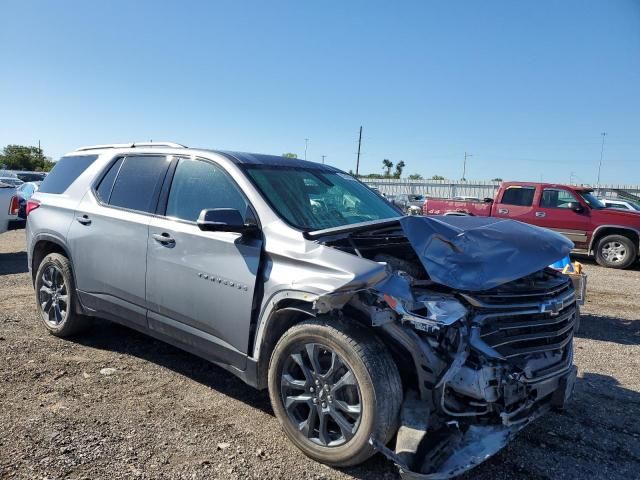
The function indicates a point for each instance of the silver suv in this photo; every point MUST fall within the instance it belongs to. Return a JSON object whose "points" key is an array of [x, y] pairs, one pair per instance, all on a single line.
{"points": [[430, 339]]}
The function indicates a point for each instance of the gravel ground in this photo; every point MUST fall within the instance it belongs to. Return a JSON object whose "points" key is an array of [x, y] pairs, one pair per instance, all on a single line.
{"points": [[162, 413]]}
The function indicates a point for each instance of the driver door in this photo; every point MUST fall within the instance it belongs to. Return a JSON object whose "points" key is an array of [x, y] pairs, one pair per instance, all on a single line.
{"points": [[200, 285], [554, 212]]}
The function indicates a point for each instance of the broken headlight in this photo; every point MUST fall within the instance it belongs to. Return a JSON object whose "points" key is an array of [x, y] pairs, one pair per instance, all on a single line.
{"points": [[430, 312]]}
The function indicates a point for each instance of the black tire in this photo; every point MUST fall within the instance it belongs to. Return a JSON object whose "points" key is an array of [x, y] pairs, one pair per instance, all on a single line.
{"points": [[378, 387], [616, 251], [55, 286]]}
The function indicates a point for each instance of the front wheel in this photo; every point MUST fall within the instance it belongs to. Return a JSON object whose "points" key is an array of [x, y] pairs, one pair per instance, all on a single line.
{"points": [[333, 386], [616, 251]]}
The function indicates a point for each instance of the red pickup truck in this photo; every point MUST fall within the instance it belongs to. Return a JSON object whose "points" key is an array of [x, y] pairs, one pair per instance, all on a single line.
{"points": [[612, 236]]}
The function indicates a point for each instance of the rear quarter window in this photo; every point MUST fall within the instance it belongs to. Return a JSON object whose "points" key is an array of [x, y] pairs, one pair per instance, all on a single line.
{"points": [[65, 172], [520, 196]]}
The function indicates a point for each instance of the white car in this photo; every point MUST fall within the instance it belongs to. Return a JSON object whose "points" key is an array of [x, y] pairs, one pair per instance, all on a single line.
{"points": [[15, 182], [620, 204], [9, 206]]}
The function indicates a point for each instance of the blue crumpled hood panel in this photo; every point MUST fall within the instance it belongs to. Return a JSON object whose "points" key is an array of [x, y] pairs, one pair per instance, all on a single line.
{"points": [[480, 253]]}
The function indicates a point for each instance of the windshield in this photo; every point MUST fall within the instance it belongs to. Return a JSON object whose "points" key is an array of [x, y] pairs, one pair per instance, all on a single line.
{"points": [[592, 201], [311, 199]]}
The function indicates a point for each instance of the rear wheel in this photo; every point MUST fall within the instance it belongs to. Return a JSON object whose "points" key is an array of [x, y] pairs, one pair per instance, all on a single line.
{"points": [[333, 386], [56, 297], [616, 251]]}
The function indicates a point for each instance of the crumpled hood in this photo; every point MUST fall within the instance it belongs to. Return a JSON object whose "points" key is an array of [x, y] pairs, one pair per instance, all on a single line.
{"points": [[480, 253]]}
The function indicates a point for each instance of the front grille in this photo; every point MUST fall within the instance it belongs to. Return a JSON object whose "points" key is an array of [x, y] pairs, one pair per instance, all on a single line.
{"points": [[517, 335], [532, 318]]}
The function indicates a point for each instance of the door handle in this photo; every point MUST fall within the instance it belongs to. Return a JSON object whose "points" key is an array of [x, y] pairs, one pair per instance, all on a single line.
{"points": [[164, 238], [541, 214], [503, 211], [84, 219]]}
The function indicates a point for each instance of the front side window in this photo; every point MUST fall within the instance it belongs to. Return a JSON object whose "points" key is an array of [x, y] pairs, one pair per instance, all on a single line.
{"points": [[65, 172], [315, 199], [557, 198], [198, 185], [520, 196], [138, 183]]}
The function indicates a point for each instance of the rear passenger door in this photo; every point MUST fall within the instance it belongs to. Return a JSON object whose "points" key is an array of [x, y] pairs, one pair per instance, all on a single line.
{"points": [[516, 203], [200, 285], [108, 236]]}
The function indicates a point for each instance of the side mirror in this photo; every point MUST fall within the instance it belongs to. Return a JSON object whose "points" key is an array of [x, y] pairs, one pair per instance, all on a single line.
{"points": [[224, 220], [576, 207], [487, 200]]}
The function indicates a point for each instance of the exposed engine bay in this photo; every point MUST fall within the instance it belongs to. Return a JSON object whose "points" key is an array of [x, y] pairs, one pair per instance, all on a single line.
{"points": [[485, 335]]}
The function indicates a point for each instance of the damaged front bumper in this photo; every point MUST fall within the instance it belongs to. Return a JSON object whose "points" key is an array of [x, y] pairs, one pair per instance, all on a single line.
{"points": [[467, 445]]}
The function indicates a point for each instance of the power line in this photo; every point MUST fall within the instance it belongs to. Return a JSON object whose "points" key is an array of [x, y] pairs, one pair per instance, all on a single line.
{"points": [[359, 145], [604, 134], [464, 165]]}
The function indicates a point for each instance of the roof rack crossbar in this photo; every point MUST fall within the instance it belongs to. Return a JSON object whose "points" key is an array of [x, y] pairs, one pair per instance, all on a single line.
{"points": [[131, 145]]}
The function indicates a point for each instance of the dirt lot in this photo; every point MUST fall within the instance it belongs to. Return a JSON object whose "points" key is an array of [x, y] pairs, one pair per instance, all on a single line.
{"points": [[166, 414]]}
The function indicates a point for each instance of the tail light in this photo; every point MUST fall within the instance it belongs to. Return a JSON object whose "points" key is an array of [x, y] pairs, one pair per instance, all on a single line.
{"points": [[32, 205], [14, 205], [424, 206]]}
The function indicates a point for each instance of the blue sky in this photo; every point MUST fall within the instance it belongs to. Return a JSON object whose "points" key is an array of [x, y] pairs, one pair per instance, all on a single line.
{"points": [[525, 87]]}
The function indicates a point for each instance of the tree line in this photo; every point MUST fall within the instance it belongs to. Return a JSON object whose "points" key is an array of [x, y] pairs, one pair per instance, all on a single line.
{"points": [[22, 157]]}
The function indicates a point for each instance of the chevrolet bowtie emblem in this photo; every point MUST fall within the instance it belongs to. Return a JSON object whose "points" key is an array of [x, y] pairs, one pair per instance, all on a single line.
{"points": [[552, 306]]}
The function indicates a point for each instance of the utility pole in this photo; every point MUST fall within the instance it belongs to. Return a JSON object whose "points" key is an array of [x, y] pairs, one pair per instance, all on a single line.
{"points": [[306, 144], [359, 145], [323, 157], [464, 166], [604, 134]]}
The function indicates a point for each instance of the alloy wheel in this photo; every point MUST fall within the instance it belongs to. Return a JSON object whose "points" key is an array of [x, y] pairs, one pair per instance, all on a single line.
{"points": [[53, 296], [320, 395], [614, 252]]}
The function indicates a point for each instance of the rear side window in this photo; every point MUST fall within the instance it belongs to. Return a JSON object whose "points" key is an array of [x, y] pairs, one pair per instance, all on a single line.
{"points": [[138, 183], [65, 172], [106, 184], [199, 185], [521, 196]]}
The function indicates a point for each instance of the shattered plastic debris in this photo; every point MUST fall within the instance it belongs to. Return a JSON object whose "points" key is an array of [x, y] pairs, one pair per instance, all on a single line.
{"points": [[477, 445], [480, 253]]}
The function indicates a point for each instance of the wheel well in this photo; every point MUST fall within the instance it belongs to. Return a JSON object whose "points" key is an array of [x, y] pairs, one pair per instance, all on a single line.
{"points": [[292, 312], [287, 314], [630, 234], [41, 250]]}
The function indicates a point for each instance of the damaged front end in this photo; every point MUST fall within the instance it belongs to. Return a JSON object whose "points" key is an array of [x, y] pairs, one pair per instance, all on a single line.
{"points": [[482, 354]]}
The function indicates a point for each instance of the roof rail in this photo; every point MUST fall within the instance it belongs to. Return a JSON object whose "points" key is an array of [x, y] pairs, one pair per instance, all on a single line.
{"points": [[131, 145]]}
